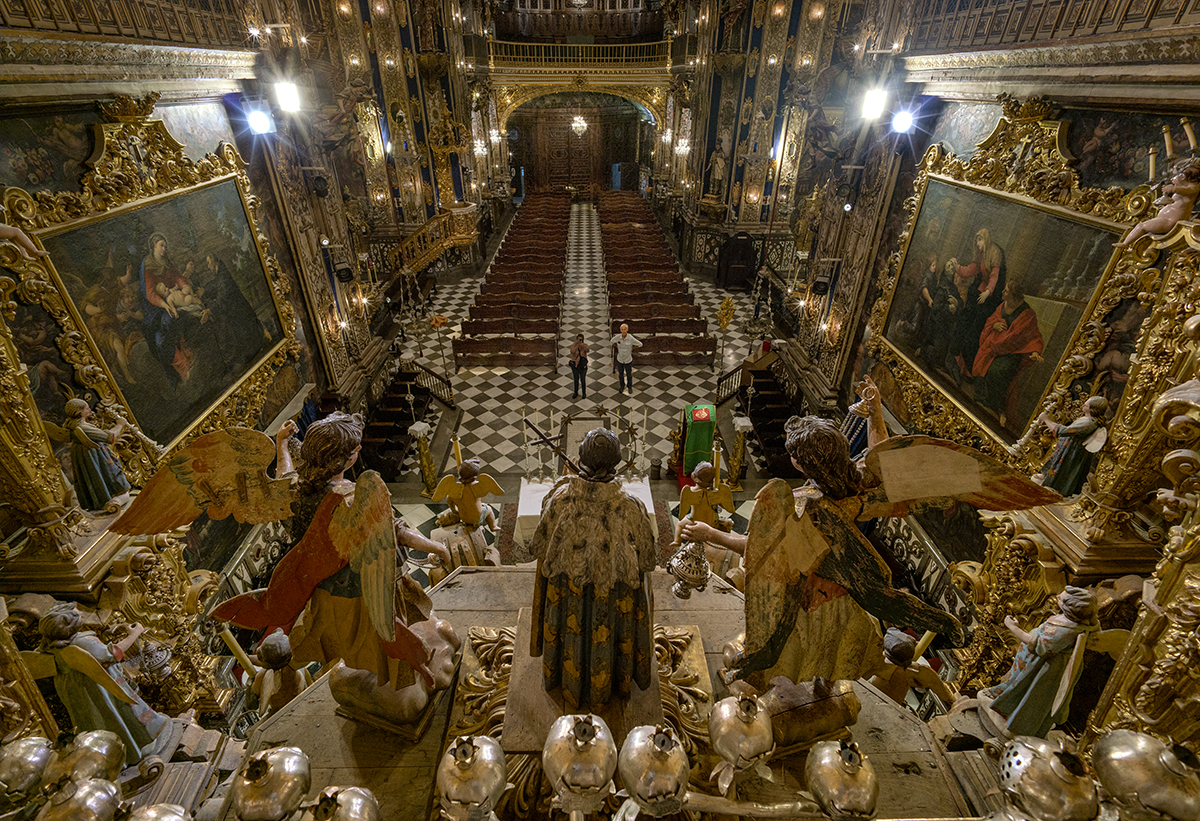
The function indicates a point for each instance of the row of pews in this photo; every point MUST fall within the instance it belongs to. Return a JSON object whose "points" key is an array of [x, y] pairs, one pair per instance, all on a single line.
{"points": [[646, 289], [516, 314]]}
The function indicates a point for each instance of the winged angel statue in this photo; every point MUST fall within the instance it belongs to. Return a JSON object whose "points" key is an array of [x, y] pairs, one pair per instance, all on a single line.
{"points": [[340, 591], [813, 580]]}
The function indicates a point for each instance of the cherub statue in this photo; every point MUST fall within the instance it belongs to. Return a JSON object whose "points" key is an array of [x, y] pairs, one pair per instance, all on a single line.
{"points": [[98, 475], [340, 591], [90, 681], [1183, 189], [813, 581], [900, 673], [277, 683], [460, 527], [1036, 693], [595, 548], [1067, 468], [700, 504]]}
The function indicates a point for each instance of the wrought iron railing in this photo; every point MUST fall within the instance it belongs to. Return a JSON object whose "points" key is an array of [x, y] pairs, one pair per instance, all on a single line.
{"points": [[216, 23], [957, 25], [437, 384], [559, 55]]}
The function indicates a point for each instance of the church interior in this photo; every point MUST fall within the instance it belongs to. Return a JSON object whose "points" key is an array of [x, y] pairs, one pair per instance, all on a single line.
{"points": [[521, 409]]}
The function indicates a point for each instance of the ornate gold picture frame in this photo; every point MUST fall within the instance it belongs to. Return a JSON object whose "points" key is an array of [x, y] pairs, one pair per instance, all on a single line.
{"points": [[1021, 176], [991, 291], [168, 304]]}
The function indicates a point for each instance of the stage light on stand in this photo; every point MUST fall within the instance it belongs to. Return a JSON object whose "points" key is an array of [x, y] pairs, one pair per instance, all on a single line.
{"points": [[848, 207], [288, 96], [260, 121], [902, 123], [874, 102]]}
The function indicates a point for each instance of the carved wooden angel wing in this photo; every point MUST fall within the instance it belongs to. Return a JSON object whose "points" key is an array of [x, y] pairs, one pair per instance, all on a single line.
{"points": [[485, 484], [79, 659], [364, 534], [221, 473], [921, 470], [448, 488]]}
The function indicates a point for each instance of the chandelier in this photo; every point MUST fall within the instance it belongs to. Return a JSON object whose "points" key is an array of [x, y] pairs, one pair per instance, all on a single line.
{"points": [[579, 125]]}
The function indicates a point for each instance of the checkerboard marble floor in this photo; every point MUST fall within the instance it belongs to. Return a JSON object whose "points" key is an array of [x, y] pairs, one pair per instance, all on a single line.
{"points": [[492, 400]]}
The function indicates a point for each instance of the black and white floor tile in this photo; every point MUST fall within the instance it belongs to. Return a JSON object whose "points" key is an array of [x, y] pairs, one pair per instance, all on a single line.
{"points": [[493, 399]]}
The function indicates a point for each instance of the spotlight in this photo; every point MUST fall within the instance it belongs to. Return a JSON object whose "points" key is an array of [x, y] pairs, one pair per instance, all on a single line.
{"points": [[288, 96], [388, 147], [259, 121], [324, 241], [254, 32], [847, 208], [873, 104], [902, 123]]}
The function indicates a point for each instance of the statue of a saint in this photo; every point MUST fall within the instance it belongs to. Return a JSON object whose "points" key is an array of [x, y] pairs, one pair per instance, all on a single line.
{"points": [[716, 171], [592, 614]]}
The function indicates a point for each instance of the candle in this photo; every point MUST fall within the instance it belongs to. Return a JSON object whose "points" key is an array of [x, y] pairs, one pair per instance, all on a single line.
{"points": [[717, 462], [1153, 164], [524, 427], [457, 451], [1191, 135], [644, 413], [618, 414], [1169, 142], [550, 424]]}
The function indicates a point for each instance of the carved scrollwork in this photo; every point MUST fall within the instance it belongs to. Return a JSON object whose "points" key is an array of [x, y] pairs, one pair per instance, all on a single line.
{"points": [[136, 158]]}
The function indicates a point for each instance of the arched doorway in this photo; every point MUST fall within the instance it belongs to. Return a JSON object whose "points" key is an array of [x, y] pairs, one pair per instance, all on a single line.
{"points": [[555, 155]]}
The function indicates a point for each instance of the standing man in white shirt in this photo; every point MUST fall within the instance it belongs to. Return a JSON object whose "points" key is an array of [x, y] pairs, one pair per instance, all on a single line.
{"points": [[625, 343]]}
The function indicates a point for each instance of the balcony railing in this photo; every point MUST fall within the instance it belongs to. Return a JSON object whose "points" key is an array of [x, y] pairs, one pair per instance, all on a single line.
{"points": [[559, 55], [958, 25], [214, 23]]}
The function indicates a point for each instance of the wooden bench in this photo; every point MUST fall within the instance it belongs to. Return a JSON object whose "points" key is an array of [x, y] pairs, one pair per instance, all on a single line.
{"points": [[655, 327], [519, 297], [521, 269], [510, 327], [508, 286], [513, 311], [644, 276], [649, 294], [509, 352], [674, 350], [657, 310]]}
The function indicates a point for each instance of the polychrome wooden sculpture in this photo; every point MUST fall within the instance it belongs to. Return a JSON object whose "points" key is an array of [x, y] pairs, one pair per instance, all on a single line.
{"points": [[813, 581], [592, 615], [340, 591], [461, 527]]}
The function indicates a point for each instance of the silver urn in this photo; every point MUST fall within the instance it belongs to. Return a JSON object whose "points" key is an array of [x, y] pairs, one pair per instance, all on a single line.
{"points": [[690, 567], [346, 804], [271, 784], [740, 730], [1145, 778], [654, 769], [94, 754], [579, 759], [1046, 783], [22, 763], [92, 799], [842, 780], [471, 777], [160, 812]]}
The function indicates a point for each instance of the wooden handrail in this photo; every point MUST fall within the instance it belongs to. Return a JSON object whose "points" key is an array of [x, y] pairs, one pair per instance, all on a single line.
{"points": [[437, 384]]}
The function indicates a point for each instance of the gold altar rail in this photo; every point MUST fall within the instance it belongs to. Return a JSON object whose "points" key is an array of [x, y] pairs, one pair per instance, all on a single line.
{"points": [[578, 56], [210, 23], [957, 25]]}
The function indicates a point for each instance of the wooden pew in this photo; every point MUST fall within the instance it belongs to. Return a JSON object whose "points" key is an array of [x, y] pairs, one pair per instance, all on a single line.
{"points": [[553, 298], [509, 327], [514, 311], [656, 310], [655, 327], [504, 352], [675, 350]]}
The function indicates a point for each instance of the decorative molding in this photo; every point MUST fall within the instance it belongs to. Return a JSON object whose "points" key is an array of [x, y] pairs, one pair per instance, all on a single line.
{"points": [[85, 59], [1172, 51]]}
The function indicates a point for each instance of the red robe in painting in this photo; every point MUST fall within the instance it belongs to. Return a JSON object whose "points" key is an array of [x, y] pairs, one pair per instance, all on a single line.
{"points": [[1021, 338]]}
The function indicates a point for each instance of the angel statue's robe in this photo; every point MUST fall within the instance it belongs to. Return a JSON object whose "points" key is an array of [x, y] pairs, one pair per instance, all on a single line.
{"points": [[800, 624], [92, 707], [592, 610]]}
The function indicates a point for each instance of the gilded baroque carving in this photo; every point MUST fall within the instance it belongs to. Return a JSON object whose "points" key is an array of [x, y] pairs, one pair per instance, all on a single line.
{"points": [[137, 158], [72, 57], [1024, 156]]}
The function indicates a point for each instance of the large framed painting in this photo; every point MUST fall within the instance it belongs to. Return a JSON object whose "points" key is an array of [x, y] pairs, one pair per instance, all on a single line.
{"points": [[175, 295], [990, 293], [158, 299]]}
